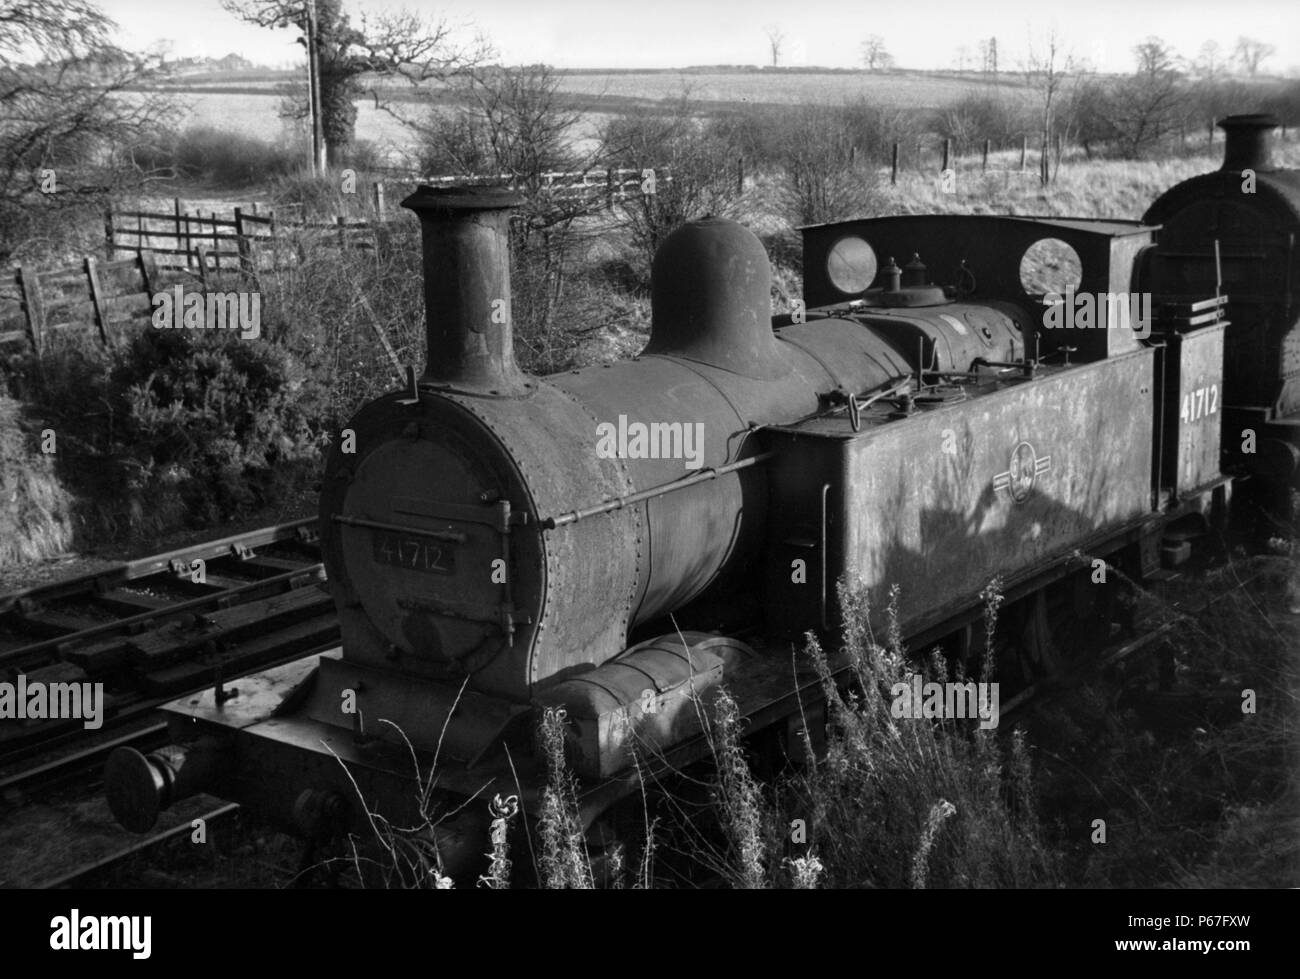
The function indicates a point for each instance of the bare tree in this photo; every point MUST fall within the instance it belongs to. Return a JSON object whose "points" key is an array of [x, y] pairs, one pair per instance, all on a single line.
{"points": [[393, 45], [700, 162], [1047, 68], [68, 130], [1250, 54], [516, 126], [1148, 105], [775, 40], [1210, 61], [989, 56], [874, 55]]}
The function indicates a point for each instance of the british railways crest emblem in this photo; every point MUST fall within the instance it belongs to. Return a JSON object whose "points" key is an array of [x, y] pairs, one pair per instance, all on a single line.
{"points": [[1025, 467]]}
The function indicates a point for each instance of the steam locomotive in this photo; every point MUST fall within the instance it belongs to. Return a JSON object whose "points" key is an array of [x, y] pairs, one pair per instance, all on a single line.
{"points": [[621, 540]]}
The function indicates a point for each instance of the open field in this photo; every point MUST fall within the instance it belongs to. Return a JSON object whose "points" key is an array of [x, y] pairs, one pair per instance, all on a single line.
{"points": [[249, 103], [715, 89], [909, 90]]}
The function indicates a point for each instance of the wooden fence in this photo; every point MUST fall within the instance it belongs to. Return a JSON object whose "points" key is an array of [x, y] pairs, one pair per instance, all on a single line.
{"points": [[105, 296], [163, 248], [592, 187], [251, 242]]}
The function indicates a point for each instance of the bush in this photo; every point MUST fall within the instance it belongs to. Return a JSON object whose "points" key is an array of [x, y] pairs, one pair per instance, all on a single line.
{"points": [[173, 426], [819, 175], [699, 164], [975, 117], [222, 158], [54, 230], [327, 308], [217, 417]]}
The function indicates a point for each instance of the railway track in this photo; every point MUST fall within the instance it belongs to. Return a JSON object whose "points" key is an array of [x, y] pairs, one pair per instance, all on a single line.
{"points": [[162, 626], [149, 630]]}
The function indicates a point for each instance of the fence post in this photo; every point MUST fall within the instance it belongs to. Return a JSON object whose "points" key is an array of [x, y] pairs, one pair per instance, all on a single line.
{"points": [[947, 152], [379, 200], [1210, 132], [893, 175], [1024, 151], [341, 223], [33, 307], [740, 174], [216, 244], [201, 250], [244, 247], [96, 300], [986, 155], [108, 234], [176, 219], [148, 271]]}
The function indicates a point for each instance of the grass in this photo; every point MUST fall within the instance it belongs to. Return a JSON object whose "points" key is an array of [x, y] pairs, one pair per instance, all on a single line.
{"points": [[35, 509], [1096, 188], [1191, 796]]}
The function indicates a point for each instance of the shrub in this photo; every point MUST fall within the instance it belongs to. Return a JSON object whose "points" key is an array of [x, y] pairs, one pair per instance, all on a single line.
{"points": [[699, 164], [820, 175], [173, 425], [975, 117], [223, 420], [222, 158]]}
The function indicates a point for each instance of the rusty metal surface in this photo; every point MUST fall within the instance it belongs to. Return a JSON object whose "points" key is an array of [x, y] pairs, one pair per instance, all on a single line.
{"points": [[259, 696], [710, 297], [950, 337], [709, 533], [941, 502], [383, 705], [465, 236], [422, 604], [592, 569], [1193, 409], [648, 698]]}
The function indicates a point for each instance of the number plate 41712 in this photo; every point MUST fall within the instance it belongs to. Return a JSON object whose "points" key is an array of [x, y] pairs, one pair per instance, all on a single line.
{"points": [[413, 553]]}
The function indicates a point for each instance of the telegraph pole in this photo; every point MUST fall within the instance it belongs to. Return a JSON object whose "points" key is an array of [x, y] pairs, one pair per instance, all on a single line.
{"points": [[313, 92]]}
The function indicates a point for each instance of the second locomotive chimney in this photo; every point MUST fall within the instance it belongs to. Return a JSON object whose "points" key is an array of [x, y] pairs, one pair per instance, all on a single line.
{"points": [[466, 240], [1248, 141]]}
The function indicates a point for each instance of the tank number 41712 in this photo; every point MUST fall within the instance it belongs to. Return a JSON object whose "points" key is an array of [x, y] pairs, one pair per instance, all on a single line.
{"points": [[1200, 403], [414, 553]]}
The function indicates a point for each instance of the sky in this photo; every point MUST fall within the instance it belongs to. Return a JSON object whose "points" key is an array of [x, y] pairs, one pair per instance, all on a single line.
{"points": [[677, 33]]}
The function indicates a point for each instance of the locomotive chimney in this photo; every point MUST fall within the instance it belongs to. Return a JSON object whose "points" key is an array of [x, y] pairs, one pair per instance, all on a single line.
{"points": [[1248, 142], [466, 241]]}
